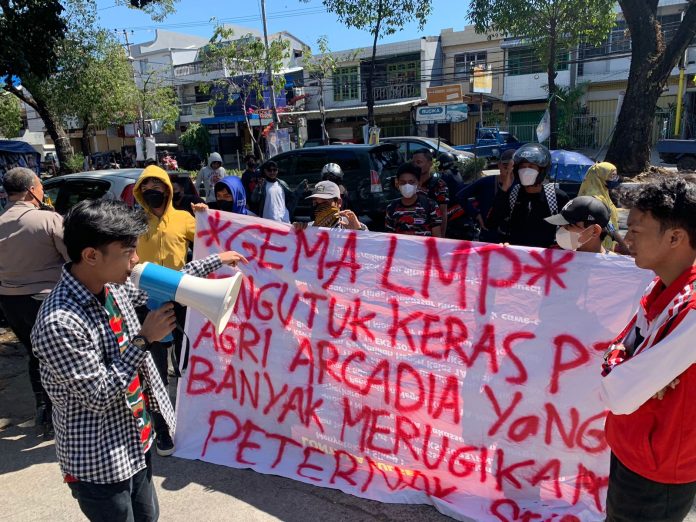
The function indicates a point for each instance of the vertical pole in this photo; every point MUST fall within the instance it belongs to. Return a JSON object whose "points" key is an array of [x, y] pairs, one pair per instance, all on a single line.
{"points": [[269, 71], [680, 98], [481, 111], [141, 118]]}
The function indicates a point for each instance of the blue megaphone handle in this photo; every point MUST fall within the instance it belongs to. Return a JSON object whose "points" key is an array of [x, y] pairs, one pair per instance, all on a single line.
{"points": [[161, 284], [154, 305]]}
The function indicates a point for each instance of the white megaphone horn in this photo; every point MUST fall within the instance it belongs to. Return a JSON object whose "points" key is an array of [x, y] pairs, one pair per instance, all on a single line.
{"points": [[214, 298]]}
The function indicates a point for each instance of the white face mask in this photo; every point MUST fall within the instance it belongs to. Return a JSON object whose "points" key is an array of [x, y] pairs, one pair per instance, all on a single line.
{"points": [[407, 191], [569, 239], [528, 176]]}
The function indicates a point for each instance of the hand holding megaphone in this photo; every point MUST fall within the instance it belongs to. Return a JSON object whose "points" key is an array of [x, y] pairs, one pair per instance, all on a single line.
{"points": [[159, 323], [215, 299]]}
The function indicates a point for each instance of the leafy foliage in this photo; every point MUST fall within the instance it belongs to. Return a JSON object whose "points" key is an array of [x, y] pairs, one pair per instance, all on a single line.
{"points": [[380, 17], [549, 27], [196, 138], [10, 116], [243, 62], [30, 31], [75, 163]]}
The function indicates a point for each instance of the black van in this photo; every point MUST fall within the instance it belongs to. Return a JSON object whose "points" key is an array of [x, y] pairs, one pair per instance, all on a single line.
{"points": [[368, 175]]}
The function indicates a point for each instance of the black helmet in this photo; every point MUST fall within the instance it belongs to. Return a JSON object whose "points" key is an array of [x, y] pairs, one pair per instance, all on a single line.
{"points": [[536, 154], [446, 160]]}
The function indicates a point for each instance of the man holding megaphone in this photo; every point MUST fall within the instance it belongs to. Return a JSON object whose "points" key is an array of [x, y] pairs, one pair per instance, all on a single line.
{"points": [[95, 365]]}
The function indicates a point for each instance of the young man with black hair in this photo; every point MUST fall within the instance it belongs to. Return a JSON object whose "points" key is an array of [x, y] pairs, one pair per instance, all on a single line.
{"points": [[522, 209], [414, 214], [583, 223], [272, 197], [433, 187], [95, 364], [251, 175], [649, 375]]}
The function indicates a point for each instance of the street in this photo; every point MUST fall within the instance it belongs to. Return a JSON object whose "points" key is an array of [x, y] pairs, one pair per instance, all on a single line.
{"points": [[31, 483]]}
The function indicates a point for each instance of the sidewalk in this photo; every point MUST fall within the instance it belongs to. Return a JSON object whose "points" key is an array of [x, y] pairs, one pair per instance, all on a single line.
{"points": [[188, 490]]}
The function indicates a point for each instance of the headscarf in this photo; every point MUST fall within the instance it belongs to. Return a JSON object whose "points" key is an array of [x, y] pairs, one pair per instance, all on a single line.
{"points": [[235, 187], [595, 184]]}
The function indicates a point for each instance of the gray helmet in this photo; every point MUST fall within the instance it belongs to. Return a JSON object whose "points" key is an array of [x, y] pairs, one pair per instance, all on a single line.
{"points": [[536, 154], [331, 170]]}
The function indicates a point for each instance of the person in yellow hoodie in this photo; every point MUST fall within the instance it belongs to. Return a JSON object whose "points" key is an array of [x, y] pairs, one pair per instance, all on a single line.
{"points": [[166, 242], [599, 179]]}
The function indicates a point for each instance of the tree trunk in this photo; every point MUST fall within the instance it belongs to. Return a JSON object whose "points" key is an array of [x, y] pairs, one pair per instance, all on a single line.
{"points": [[630, 145], [55, 130], [652, 61], [84, 141]]}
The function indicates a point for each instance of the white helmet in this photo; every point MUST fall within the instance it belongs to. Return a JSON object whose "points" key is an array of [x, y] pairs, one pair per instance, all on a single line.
{"points": [[333, 169]]}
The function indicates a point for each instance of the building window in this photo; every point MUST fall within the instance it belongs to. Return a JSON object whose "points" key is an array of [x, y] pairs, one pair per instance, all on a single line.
{"points": [[403, 72], [620, 39], [346, 81], [464, 63], [525, 61], [670, 25]]}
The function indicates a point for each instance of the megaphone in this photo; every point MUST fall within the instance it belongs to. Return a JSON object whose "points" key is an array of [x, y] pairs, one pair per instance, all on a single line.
{"points": [[214, 298]]}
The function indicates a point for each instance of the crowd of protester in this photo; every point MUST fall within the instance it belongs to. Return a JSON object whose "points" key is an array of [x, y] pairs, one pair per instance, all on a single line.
{"points": [[99, 352]]}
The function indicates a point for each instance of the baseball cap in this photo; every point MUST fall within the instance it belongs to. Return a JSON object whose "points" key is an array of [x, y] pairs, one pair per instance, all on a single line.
{"points": [[585, 209], [325, 190]]}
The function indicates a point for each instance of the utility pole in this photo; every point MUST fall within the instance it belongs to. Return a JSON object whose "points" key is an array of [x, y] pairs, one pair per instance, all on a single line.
{"points": [[140, 124], [269, 71]]}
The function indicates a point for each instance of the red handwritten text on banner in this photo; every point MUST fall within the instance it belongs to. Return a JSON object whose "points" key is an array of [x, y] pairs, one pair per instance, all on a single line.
{"points": [[409, 370]]}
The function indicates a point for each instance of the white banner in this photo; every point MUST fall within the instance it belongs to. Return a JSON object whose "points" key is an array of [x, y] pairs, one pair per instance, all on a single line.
{"points": [[413, 370]]}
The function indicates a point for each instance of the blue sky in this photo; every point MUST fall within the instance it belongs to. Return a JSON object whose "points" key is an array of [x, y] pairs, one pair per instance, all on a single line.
{"points": [[307, 21]]}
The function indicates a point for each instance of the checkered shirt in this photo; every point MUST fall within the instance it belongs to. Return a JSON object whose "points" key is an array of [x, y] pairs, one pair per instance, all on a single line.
{"points": [[86, 377]]}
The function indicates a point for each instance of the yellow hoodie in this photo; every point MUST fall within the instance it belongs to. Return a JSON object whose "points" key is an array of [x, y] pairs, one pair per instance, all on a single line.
{"points": [[166, 240]]}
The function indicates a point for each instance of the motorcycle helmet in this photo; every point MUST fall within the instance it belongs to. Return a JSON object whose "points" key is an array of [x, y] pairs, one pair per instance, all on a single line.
{"points": [[536, 154], [331, 171], [446, 160]]}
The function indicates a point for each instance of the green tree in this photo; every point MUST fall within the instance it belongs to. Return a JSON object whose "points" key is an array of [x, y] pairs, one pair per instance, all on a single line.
{"points": [[94, 86], [381, 18], [196, 138], [10, 116], [38, 39], [244, 63], [321, 68], [652, 61], [159, 102], [550, 27]]}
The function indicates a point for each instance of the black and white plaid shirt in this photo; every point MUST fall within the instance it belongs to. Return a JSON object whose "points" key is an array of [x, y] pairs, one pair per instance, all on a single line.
{"points": [[86, 376]]}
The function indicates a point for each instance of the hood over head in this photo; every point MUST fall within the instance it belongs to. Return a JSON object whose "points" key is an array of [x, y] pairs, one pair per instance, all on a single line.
{"points": [[236, 188], [214, 156], [153, 171]]}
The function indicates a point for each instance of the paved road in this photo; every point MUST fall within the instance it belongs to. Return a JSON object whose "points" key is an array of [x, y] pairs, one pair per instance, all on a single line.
{"points": [[31, 488]]}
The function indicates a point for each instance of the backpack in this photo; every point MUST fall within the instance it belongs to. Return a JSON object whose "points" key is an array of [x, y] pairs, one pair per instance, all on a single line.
{"points": [[549, 190]]}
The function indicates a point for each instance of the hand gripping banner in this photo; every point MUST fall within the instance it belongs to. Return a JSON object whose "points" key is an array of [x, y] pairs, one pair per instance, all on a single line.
{"points": [[414, 370]]}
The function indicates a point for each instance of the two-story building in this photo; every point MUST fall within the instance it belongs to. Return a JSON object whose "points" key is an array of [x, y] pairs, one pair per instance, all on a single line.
{"points": [[402, 73]]}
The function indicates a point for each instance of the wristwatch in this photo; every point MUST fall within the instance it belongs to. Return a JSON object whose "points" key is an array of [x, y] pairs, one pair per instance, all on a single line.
{"points": [[141, 342]]}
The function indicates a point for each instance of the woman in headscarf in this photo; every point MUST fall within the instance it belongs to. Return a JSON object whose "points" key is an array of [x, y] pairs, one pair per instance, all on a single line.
{"points": [[599, 179]]}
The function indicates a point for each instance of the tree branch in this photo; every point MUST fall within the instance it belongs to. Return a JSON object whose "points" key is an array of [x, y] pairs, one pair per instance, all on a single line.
{"points": [[19, 94]]}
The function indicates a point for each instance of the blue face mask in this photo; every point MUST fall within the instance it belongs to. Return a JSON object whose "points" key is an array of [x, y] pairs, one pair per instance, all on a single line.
{"points": [[613, 184]]}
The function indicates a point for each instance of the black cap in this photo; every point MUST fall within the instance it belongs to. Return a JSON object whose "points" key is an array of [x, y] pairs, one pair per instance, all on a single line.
{"points": [[583, 209]]}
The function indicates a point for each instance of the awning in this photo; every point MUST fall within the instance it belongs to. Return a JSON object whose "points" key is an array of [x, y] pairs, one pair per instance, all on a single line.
{"points": [[232, 118], [385, 108]]}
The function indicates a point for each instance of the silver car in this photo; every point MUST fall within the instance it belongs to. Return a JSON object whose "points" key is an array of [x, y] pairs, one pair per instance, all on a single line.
{"points": [[66, 191]]}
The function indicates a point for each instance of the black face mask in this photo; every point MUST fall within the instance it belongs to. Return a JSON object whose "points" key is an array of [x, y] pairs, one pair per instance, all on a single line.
{"points": [[153, 198], [225, 206]]}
